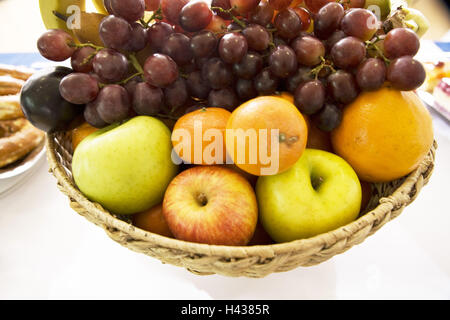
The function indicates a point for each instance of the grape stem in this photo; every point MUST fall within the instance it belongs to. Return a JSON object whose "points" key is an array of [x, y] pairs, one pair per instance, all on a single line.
{"points": [[82, 45], [137, 74], [135, 63], [324, 64], [372, 44], [230, 12], [157, 15]]}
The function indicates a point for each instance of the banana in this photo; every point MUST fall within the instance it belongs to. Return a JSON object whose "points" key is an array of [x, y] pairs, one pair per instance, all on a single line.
{"points": [[89, 25], [398, 13], [100, 6], [408, 17], [47, 8]]}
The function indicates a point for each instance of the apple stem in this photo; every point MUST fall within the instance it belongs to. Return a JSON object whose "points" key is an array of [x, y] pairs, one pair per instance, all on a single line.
{"points": [[202, 199], [316, 182]]}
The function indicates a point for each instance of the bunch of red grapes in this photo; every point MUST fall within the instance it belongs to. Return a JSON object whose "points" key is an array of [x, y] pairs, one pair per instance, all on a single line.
{"points": [[233, 51]]}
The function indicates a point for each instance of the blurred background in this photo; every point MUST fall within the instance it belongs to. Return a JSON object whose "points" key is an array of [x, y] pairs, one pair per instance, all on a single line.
{"points": [[22, 25]]}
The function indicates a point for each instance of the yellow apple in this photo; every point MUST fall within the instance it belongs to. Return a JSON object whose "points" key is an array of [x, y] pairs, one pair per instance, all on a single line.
{"points": [[320, 193]]}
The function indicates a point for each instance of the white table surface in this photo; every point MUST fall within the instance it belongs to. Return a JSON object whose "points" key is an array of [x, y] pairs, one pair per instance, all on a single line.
{"points": [[47, 251]]}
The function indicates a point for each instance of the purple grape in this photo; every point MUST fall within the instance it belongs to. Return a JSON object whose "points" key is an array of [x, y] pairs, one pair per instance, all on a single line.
{"points": [[147, 100], [249, 66], [113, 103], [195, 16], [406, 73], [178, 47], [92, 117], [258, 38], [310, 97], [283, 61], [329, 118], [371, 74], [160, 70], [262, 14], [328, 20], [130, 10], [176, 94], [110, 65], [138, 39], [223, 98], [342, 87], [55, 45], [78, 88], [348, 53], [203, 44], [245, 89], [288, 24], [225, 5], [82, 60], [115, 32], [217, 74], [303, 74], [360, 23], [266, 83], [197, 87], [157, 34], [401, 42], [233, 47], [334, 38], [309, 50]]}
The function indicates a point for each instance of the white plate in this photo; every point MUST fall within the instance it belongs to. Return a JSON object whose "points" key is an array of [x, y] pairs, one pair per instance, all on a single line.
{"points": [[20, 171]]}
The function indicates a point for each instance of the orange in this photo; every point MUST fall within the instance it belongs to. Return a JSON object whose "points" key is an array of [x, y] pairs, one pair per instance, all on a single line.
{"points": [[384, 134], [81, 132], [199, 137], [253, 128], [317, 139], [285, 95], [152, 220]]}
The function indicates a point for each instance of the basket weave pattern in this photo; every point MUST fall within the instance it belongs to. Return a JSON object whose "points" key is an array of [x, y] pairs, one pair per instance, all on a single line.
{"points": [[387, 202]]}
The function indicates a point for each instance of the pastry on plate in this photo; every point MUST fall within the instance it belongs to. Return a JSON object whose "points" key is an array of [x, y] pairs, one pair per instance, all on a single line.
{"points": [[435, 72], [21, 73], [10, 107], [10, 85], [18, 137], [442, 97]]}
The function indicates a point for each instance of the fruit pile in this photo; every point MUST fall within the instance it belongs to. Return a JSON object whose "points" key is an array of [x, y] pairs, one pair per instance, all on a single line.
{"points": [[223, 60], [315, 74]]}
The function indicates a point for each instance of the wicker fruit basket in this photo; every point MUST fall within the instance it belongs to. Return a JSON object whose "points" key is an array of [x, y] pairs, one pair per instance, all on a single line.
{"points": [[387, 202]]}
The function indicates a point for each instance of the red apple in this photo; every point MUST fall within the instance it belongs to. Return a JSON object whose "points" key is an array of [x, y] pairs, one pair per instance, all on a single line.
{"points": [[212, 205]]}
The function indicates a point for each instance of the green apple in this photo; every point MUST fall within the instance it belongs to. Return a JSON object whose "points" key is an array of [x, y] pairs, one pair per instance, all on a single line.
{"points": [[125, 167], [320, 193]]}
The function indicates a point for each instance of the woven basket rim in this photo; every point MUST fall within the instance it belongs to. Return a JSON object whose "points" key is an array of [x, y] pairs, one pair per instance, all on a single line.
{"points": [[395, 201]]}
